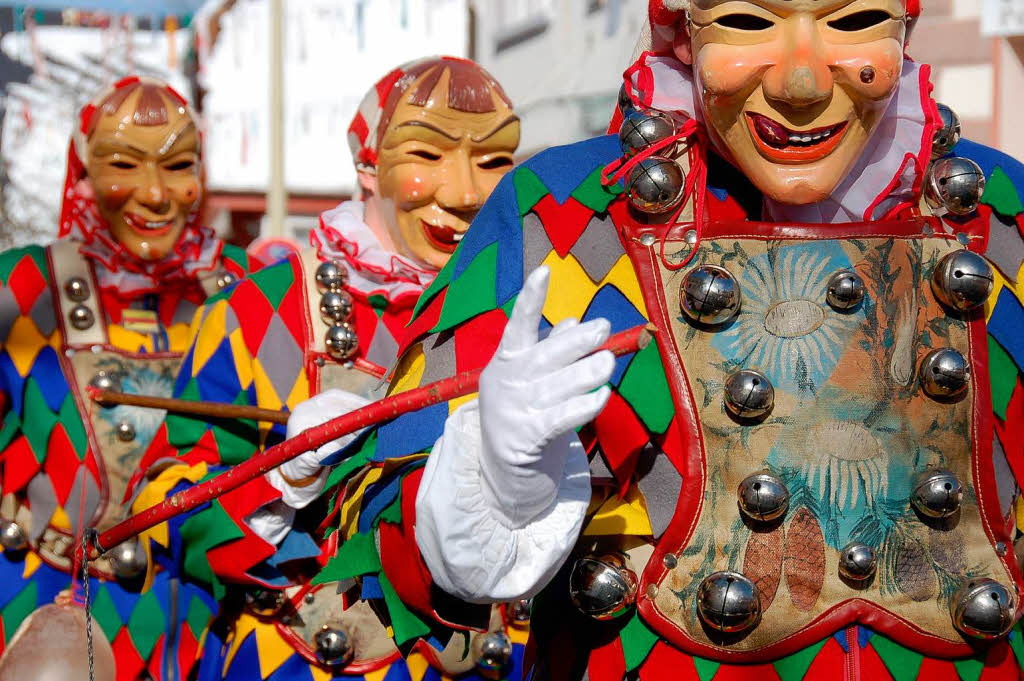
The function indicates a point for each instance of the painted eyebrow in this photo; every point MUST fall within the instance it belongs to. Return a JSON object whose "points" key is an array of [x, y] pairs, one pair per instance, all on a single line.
{"points": [[428, 126], [115, 145], [508, 121], [173, 138]]}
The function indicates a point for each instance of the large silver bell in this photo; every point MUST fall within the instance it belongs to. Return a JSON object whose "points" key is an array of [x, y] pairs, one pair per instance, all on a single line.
{"points": [[333, 646], [77, 289], [642, 129], [763, 497], [955, 184], [519, 611], [857, 562], [491, 651], [336, 306], [983, 609], [710, 295], [749, 394], [104, 380], [127, 559], [845, 290], [264, 602], [625, 102], [342, 341], [53, 644], [936, 493], [962, 280], [81, 317], [945, 374], [12, 536], [948, 134], [729, 602], [655, 185], [331, 276], [602, 587]]}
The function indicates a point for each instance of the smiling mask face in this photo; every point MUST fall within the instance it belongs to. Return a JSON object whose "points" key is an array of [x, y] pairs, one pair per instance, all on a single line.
{"points": [[143, 164], [793, 89]]}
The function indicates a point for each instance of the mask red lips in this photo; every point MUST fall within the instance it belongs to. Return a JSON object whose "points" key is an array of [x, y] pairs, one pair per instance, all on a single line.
{"points": [[148, 227], [778, 143], [444, 239]]}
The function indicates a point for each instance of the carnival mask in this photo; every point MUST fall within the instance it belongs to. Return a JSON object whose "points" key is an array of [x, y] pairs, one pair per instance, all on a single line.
{"points": [[143, 163], [440, 157], [793, 89]]}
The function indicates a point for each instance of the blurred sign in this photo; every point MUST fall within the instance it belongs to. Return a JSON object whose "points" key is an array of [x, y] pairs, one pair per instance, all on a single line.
{"points": [[1002, 18]]}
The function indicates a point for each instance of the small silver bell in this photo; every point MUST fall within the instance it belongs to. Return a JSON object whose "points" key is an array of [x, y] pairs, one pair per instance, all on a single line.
{"points": [[625, 102], [710, 295], [331, 276], [857, 562], [333, 646], [948, 134], [81, 317], [749, 394], [936, 493], [492, 651], [519, 611], [729, 602], [336, 306], [955, 184], [763, 497], [77, 289], [983, 609], [642, 129], [845, 290], [226, 279], [264, 602], [342, 341], [602, 587], [655, 185], [12, 537], [125, 432], [127, 559], [104, 380], [962, 280], [945, 374]]}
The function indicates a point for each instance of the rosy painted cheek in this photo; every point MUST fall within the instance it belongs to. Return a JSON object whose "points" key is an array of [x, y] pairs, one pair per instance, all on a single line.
{"points": [[728, 70], [872, 69], [412, 185], [113, 196]]}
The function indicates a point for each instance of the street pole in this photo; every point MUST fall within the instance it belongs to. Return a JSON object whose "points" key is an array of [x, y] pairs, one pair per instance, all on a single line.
{"points": [[277, 196]]}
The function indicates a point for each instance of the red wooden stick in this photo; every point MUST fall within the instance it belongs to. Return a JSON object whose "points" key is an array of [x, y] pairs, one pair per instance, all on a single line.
{"points": [[624, 343]]}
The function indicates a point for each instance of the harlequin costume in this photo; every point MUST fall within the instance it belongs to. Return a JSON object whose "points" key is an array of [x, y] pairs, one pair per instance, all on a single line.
{"points": [[85, 311]]}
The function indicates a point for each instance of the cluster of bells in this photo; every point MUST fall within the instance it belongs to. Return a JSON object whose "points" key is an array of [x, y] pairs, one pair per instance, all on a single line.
{"points": [[336, 306], [127, 560], [953, 184], [655, 184]]}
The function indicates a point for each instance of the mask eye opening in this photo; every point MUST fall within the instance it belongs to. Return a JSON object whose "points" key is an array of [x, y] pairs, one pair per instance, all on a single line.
{"points": [[744, 22], [858, 21]]}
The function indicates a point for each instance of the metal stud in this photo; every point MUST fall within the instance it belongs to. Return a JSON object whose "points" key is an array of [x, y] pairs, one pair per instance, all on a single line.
{"points": [[982, 609], [342, 341], [491, 651], [749, 394], [763, 497], [520, 610], [331, 276], [845, 290], [948, 134], [12, 536], [333, 646], [125, 432], [962, 280], [226, 279], [648, 239], [625, 102], [710, 294], [602, 586], [936, 493], [77, 289], [655, 185], [955, 184], [857, 562], [264, 602], [729, 602], [336, 306], [642, 129], [104, 380], [945, 374], [81, 317], [128, 559]]}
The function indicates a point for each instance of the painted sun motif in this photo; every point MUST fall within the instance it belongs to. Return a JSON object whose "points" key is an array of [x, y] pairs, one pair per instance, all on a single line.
{"points": [[142, 381]]}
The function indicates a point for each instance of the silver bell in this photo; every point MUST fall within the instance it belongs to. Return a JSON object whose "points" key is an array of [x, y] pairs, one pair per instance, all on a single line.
{"points": [[954, 184], [519, 611], [331, 276], [857, 562], [12, 537], [342, 341], [125, 432], [127, 559], [729, 602], [642, 129], [81, 317], [625, 102], [655, 185], [77, 289], [602, 587], [962, 280], [492, 651], [845, 290], [945, 374], [264, 602], [710, 295], [749, 394], [104, 380], [226, 279], [333, 646], [336, 307], [936, 493], [948, 134], [983, 609], [763, 497]]}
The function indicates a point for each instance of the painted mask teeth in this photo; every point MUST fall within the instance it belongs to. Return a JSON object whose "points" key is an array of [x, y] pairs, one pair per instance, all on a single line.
{"points": [[809, 140], [458, 237]]}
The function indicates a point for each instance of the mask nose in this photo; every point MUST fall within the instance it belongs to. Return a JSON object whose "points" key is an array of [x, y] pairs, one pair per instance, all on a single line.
{"points": [[461, 192], [802, 77]]}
